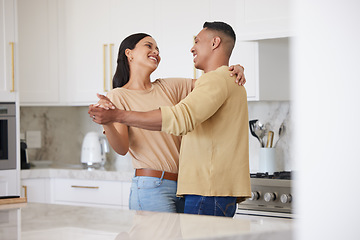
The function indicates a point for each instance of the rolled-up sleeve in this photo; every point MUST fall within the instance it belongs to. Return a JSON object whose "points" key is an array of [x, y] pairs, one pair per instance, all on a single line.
{"points": [[209, 94]]}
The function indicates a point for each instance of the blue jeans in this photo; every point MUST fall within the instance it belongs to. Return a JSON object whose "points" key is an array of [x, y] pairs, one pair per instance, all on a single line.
{"points": [[214, 206], [155, 194]]}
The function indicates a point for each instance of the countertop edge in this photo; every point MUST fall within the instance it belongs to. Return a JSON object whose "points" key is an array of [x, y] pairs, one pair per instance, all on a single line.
{"points": [[82, 174]]}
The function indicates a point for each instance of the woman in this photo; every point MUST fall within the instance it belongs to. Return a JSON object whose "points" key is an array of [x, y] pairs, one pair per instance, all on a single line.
{"points": [[154, 154]]}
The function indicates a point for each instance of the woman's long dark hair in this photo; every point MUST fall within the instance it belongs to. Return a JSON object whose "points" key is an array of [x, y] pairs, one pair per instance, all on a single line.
{"points": [[122, 74]]}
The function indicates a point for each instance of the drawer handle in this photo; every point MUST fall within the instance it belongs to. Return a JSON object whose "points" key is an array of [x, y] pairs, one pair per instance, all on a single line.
{"points": [[12, 68], [25, 190], [104, 65], [88, 187]]}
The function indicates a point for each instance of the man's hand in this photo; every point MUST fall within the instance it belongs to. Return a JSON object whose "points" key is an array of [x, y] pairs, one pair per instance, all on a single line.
{"points": [[103, 116], [238, 70]]}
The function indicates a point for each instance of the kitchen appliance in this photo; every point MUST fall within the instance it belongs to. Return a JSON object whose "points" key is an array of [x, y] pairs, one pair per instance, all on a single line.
{"points": [[7, 136], [271, 196], [94, 149], [24, 155]]}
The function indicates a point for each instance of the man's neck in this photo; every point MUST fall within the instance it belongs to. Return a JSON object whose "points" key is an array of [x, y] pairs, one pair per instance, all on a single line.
{"points": [[215, 65]]}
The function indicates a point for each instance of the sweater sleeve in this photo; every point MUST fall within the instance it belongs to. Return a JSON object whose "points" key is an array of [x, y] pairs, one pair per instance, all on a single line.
{"points": [[209, 94]]}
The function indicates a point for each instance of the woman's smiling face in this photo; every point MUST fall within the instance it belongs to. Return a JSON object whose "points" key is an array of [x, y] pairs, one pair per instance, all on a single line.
{"points": [[145, 53]]}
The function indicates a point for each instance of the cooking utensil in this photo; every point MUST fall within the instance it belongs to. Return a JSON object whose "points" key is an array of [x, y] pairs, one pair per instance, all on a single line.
{"points": [[282, 130], [270, 139], [252, 130], [260, 131]]}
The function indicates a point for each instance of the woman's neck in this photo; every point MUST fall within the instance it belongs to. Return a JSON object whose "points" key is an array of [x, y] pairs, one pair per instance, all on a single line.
{"points": [[139, 80]]}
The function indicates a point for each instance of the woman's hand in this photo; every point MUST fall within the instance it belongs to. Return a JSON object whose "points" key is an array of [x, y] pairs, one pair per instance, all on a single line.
{"points": [[238, 70], [102, 116], [104, 102]]}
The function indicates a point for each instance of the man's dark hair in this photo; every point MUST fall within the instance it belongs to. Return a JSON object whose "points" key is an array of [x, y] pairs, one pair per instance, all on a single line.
{"points": [[221, 27]]}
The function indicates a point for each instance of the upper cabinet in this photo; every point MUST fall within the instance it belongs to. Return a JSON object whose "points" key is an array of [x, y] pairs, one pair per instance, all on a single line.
{"points": [[263, 19], [8, 51], [68, 48], [267, 68], [91, 38], [38, 51], [177, 23], [85, 48]]}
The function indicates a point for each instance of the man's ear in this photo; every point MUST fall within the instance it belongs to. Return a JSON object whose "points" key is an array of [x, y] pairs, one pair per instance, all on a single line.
{"points": [[216, 42]]}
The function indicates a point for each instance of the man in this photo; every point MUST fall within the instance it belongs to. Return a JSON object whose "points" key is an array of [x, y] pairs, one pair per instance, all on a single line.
{"points": [[213, 119]]}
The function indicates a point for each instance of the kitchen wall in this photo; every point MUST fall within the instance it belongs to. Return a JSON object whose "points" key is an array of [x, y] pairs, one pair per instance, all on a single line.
{"points": [[63, 129], [62, 132]]}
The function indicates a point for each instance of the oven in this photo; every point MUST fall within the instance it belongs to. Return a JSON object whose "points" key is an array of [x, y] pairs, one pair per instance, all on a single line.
{"points": [[7, 136], [271, 196]]}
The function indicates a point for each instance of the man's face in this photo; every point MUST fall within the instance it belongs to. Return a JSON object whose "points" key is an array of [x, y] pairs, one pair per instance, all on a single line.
{"points": [[202, 49]]}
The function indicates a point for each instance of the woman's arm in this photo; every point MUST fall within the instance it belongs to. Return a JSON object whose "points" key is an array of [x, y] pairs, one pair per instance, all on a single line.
{"points": [[237, 70], [118, 137], [116, 133]]}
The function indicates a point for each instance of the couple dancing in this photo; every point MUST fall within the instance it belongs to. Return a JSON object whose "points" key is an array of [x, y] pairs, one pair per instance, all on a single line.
{"points": [[188, 138]]}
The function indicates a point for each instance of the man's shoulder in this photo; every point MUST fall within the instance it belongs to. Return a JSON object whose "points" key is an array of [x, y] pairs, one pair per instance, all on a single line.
{"points": [[171, 80]]}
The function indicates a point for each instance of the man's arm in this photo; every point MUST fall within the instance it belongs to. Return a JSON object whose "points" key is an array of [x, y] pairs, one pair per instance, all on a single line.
{"points": [[146, 120]]}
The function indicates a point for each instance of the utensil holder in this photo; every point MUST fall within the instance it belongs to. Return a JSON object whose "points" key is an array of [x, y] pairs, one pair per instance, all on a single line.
{"points": [[268, 161]]}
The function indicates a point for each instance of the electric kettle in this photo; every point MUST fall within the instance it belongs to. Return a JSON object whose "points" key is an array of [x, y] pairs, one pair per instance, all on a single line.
{"points": [[93, 151]]}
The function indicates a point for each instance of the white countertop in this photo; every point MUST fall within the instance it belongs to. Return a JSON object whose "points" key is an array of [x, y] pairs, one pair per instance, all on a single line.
{"points": [[97, 174], [58, 222]]}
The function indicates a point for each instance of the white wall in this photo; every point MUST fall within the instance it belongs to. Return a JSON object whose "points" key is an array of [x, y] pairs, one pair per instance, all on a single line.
{"points": [[326, 93]]}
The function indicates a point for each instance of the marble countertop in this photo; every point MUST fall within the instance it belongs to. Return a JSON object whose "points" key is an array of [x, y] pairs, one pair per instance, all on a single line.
{"points": [[58, 222], [77, 173]]}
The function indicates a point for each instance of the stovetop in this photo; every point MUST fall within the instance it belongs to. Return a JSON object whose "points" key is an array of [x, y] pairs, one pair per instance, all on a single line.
{"points": [[276, 175], [271, 195]]}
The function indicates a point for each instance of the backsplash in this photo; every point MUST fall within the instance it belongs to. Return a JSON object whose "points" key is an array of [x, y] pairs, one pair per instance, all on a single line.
{"points": [[63, 129], [273, 113], [62, 132]]}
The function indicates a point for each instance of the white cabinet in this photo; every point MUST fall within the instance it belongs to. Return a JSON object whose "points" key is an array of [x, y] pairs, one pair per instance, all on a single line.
{"points": [[87, 192], [68, 48], [36, 190], [85, 50], [177, 23], [274, 70], [267, 68], [100, 193], [8, 51], [262, 19], [38, 51], [91, 38], [9, 182], [91, 192], [246, 54]]}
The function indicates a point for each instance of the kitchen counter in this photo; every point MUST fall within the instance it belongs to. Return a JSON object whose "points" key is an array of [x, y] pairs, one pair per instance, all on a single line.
{"points": [[77, 173], [57, 222]]}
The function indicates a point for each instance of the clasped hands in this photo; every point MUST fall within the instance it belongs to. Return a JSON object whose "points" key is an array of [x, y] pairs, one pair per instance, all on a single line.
{"points": [[104, 111]]}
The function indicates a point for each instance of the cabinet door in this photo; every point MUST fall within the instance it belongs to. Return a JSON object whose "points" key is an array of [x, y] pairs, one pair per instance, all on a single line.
{"points": [[38, 51], [87, 192], [260, 19], [9, 182], [8, 46], [85, 47], [246, 54], [123, 23], [126, 194], [177, 23], [36, 190]]}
